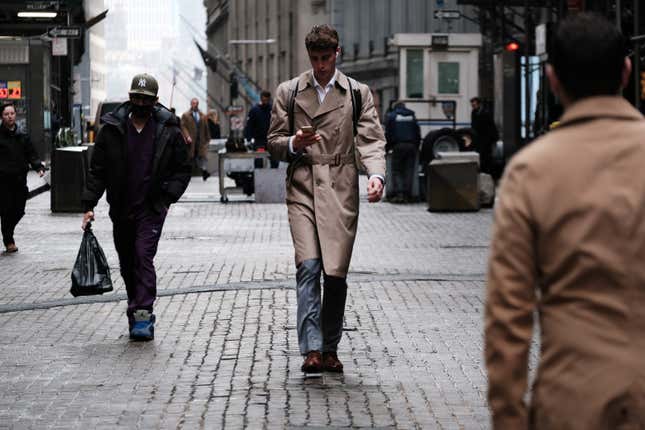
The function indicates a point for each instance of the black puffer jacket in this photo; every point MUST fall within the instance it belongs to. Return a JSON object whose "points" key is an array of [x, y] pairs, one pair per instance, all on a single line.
{"points": [[16, 153], [171, 167]]}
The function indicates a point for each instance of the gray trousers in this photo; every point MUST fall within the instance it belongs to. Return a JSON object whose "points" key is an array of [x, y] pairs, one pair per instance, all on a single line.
{"points": [[319, 328]]}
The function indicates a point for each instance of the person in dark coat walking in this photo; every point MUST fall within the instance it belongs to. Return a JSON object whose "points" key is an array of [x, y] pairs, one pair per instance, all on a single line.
{"points": [[141, 159], [403, 137], [257, 126], [486, 134], [16, 155], [194, 125]]}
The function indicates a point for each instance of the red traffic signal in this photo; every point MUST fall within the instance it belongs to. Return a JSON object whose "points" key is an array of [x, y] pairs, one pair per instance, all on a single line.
{"points": [[512, 46]]}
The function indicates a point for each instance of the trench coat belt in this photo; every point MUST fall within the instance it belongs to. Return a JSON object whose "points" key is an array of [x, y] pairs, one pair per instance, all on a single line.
{"points": [[331, 159], [311, 159]]}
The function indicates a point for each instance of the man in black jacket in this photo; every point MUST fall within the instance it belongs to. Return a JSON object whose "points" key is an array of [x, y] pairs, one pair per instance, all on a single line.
{"points": [[486, 134], [403, 136], [16, 155], [140, 159], [257, 126]]}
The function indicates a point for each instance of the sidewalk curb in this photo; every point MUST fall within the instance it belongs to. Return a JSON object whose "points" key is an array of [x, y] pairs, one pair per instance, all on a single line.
{"points": [[287, 283]]}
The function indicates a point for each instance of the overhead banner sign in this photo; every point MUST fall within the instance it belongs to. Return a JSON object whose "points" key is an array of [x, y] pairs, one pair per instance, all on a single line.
{"points": [[540, 39]]}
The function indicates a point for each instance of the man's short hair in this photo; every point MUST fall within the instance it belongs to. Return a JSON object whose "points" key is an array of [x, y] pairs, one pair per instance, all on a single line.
{"points": [[476, 99], [6, 105], [587, 55], [265, 93], [321, 38]]}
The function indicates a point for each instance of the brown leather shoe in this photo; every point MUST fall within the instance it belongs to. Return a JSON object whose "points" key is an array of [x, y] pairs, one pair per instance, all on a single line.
{"points": [[312, 363], [331, 363], [11, 248]]}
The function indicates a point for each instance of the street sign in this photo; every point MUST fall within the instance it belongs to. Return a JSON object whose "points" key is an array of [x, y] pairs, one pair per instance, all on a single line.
{"points": [[234, 110], [73, 32], [447, 14], [440, 41], [59, 47]]}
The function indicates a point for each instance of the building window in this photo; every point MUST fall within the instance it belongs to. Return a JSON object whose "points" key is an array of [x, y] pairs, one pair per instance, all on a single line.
{"points": [[414, 73], [448, 75]]}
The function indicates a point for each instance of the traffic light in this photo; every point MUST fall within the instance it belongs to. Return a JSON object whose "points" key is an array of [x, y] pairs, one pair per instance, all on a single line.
{"points": [[234, 93], [642, 85], [512, 46]]}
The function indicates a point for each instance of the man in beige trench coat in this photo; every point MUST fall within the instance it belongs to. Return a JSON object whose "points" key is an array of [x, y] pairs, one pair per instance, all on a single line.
{"points": [[322, 188], [194, 125], [569, 243]]}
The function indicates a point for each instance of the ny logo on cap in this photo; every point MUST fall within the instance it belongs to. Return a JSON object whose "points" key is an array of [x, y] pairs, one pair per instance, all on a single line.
{"points": [[142, 82]]}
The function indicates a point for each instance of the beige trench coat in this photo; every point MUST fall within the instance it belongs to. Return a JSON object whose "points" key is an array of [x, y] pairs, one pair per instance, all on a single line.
{"points": [[189, 128], [569, 242], [322, 199]]}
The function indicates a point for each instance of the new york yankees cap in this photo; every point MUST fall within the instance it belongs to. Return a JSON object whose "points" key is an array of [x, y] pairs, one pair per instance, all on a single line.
{"points": [[144, 84]]}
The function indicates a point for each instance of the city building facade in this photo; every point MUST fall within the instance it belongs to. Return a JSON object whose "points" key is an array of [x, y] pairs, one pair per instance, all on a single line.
{"points": [[262, 39]]}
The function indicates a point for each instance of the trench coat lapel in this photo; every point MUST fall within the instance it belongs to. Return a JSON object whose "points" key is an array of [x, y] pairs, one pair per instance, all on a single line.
{"points": [[335, 99], [307, 100]]}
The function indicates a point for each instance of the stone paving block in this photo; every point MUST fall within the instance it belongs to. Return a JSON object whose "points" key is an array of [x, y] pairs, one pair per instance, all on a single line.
{"points": [[226, 353]]}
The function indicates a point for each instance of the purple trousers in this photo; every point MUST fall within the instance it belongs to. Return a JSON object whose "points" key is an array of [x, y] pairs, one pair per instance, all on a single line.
{"points": [[136, 239]]}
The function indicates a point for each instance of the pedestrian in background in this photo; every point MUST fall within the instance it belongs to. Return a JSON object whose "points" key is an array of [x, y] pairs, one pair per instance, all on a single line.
{"points": [[213, 125], [486, 134], [568, 246], [322, 188], [16, 155], [257, 126], [140, 159], [194, 125], [403, 137]]}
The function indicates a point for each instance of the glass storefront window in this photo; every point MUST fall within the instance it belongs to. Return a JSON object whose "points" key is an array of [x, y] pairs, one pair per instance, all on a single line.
{"points": [[448, 75], [414, 73]]}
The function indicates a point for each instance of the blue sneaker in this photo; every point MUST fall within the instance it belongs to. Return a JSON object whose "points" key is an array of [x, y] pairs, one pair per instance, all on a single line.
{"points": [[144, 325]]}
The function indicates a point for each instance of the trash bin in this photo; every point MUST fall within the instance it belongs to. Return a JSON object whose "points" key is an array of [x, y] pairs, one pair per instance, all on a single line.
{"points": [[453, 182], [69, 171]]}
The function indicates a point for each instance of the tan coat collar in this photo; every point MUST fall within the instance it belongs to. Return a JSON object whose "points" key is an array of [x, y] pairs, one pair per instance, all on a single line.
{"points": [[307, 80], [599, 107], [310, 105]]}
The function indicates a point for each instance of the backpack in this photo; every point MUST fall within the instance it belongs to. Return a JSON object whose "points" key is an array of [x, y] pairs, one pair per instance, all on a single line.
{"points": [[357, 103], [357, 107]]}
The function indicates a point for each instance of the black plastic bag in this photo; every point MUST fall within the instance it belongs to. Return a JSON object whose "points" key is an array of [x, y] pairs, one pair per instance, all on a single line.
{"points": [[91, 273]]}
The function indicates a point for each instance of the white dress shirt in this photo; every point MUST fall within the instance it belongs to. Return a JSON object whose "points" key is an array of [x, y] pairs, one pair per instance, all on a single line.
{"points": [[322, 93]]}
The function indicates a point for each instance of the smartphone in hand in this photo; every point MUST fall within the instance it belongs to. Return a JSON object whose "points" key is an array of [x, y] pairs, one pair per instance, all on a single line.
{"points": [[308, 129]]}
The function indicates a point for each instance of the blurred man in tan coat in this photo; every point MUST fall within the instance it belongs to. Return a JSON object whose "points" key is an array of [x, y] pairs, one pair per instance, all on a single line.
{"points": [[569, 244], [322, 187], [194, 125]]}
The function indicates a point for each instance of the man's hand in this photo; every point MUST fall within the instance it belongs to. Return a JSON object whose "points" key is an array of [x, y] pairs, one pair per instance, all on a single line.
{"points": [[303, 140], [87, 217], [188, 140], [41, 173], [374, 189]]}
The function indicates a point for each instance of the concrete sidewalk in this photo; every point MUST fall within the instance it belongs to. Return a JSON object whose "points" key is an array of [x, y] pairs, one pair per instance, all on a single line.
{"points": [[226, 353]]}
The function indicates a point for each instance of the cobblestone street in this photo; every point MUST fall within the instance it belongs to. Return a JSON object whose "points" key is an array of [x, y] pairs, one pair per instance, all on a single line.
{"points": [[225, 353]]}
